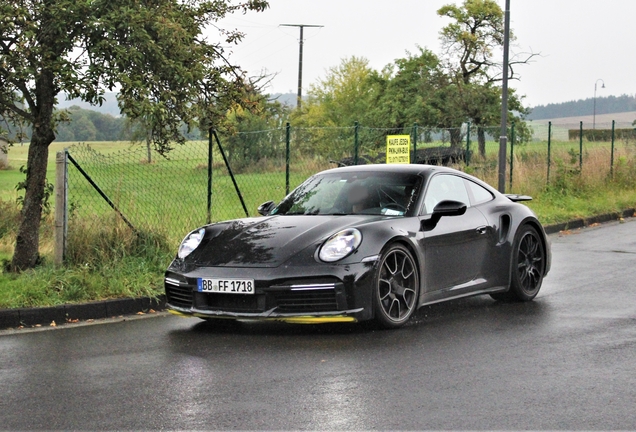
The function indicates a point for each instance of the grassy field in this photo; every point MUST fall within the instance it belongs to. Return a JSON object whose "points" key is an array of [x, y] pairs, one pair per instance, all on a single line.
{"points": [[167, 198], [169, 192]]}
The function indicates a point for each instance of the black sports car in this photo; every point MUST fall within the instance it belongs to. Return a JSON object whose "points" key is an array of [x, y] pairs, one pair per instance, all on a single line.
{"points": [[359, 243]]}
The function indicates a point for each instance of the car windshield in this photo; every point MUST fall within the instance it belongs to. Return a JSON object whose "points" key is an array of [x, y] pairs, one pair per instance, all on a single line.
{"points": [[344, 193]]}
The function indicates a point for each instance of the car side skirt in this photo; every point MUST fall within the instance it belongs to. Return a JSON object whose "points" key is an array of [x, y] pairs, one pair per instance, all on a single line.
{"points": [[427, 300]]}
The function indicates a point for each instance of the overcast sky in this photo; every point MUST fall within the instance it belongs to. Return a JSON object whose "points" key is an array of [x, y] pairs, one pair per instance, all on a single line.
{"points": [[580, 41]]}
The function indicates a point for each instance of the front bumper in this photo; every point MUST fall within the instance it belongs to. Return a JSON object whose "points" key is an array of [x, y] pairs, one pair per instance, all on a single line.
{"points": [[329, 293], [320, 318]]}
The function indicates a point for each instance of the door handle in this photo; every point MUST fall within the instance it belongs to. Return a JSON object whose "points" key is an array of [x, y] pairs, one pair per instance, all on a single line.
{"points": [[481, 230]]}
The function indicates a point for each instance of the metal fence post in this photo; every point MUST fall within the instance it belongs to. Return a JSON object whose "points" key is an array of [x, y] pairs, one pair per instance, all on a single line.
{"points": [[61, 205], [581, 146], [549, 142], [210, 160], [612, 151], [512, 151], [355, 143], [414, 143], [100, 191], [467, 158], [229, 171], [287, 148]]}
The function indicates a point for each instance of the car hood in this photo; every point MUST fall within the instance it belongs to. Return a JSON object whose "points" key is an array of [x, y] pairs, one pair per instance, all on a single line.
{"points": [[268, 241]]}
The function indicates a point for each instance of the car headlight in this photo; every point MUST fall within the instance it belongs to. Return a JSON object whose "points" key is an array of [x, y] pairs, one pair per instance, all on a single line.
{"points": [[190, 243], [340, 245]]}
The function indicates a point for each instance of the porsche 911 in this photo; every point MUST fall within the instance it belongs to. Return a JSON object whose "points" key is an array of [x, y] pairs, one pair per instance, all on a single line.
{"points": [[370, 242]]}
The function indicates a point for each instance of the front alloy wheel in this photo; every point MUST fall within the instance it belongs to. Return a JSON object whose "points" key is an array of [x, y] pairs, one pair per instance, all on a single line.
{"points": [[396, 287]]}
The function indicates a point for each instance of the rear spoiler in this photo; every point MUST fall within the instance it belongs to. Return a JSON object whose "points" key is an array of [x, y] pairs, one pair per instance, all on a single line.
{"points": [[518, 198]]}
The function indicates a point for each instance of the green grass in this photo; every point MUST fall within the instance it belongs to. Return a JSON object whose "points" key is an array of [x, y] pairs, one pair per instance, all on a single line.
{"points": [[557, 209], [167, 198], [135, 273], [18, 157], [49, 286]]}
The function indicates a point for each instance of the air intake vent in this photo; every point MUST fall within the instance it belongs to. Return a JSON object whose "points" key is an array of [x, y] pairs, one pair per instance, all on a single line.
{"points": [[306, 301], [180, 296]]}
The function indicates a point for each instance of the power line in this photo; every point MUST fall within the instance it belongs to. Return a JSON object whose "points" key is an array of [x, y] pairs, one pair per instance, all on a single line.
{"points": [[300, 58]]}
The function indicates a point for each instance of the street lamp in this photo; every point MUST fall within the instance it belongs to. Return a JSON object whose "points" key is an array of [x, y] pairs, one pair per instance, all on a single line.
{"points": [[594, 116]]}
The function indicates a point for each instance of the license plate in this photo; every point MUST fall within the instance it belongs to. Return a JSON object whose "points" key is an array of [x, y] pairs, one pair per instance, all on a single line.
{"points": [[228, 286]]}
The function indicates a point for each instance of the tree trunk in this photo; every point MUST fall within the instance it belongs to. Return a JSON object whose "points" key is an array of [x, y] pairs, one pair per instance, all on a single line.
{"points": [[481, 139], [27, 243], [456, 137], [148, 146]]}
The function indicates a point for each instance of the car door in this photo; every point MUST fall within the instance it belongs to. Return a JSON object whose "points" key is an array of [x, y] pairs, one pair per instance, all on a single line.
{"points": [[456, 246], [496, 265]]}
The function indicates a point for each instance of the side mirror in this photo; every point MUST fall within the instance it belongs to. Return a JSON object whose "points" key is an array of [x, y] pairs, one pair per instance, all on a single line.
{"points": [[444, 208], [449, 208], [265, 208]]}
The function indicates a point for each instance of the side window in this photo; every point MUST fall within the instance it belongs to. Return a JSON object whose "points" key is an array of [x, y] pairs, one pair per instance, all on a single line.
{"points": [[445, 187], [480, 194]]}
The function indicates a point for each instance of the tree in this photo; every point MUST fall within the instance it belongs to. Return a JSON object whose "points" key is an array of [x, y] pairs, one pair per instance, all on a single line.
{"points": [[108, 127], [153, 51], [472, 41], [253, 132], [472, 38], [85, 130], [105, 126], [341, 98], [408, 88]]}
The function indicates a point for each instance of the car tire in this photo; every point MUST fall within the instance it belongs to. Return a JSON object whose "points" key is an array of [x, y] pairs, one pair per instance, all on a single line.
{"points": [[528, 266], [396, 287]]}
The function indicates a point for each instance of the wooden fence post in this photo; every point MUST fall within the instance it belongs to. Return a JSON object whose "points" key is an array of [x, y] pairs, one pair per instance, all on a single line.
{"points": [[4, 155], [60, 207]]}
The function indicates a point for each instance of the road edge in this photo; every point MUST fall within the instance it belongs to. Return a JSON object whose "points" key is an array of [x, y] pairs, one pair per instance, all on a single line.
{"points": [[71, 313], [585, 222]]}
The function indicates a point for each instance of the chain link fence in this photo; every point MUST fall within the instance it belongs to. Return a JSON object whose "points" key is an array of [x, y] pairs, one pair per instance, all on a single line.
{"points": [[226, 177]]}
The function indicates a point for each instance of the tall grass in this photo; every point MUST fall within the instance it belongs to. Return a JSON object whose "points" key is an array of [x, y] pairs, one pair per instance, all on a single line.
{"points": [[104, 260], [574, 190], [9, 220]]}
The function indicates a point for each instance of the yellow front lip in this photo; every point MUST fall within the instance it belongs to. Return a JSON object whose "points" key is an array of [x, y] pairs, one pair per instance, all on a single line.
{"points": [[315, 320], [291, 320]]}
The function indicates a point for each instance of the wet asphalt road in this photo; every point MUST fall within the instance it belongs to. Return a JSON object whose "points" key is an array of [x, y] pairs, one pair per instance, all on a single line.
{"points": [[565, 361]]}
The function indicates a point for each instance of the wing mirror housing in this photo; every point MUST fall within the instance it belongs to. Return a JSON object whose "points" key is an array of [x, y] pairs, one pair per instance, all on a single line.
{"points": [[265, 208], [443, 209], [449, 208]]}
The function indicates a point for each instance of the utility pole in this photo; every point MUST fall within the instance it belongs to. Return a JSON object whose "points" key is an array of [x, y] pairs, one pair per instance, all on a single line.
{"points": [[300, 59], [503, 136], [594, 116]]}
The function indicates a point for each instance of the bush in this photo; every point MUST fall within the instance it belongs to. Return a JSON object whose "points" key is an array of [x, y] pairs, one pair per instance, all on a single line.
{"points": [[602, 134]]}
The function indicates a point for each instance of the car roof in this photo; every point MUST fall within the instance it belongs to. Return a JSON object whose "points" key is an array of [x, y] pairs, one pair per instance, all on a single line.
{"points": [[418, 169], [396, 168]]}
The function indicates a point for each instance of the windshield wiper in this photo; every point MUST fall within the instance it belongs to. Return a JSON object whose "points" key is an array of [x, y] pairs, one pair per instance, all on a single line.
{"points": [[300, 213]]}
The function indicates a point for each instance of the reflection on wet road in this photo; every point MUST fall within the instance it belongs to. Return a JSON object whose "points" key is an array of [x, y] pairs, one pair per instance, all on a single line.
{"points": [[564, 361]]}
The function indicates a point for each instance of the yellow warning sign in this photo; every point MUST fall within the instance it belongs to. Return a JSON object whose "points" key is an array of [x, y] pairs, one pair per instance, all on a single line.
{"points": [[398, 149]]}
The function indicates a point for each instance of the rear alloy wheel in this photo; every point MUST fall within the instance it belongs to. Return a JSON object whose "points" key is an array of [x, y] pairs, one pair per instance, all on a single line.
{"points": [[528, 266], [396, 287]]}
